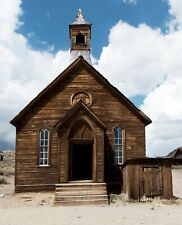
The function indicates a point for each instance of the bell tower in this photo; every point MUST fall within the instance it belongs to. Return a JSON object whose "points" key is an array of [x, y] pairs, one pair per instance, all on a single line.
{"points": [[80, 35]]}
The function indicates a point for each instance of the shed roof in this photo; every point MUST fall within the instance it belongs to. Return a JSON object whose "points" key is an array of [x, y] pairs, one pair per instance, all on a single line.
{"points": [[176, 153], [153, 161]]}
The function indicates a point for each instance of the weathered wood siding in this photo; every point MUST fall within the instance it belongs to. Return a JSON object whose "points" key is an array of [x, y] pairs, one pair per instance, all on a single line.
{"points": [[142, 181], [75, 31], [53, 107]]}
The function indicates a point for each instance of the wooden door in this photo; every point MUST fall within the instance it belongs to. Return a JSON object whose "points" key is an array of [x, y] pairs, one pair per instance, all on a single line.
{"points": [[81, 161], [152, 181]]}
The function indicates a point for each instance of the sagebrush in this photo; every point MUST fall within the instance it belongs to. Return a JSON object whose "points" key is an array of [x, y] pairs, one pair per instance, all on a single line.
{"points": [[3, 180]]}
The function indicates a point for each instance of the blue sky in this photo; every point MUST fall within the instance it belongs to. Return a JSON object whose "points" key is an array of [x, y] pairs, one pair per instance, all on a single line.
{"points": [[46, 22], [49, 20], [136, 45]]}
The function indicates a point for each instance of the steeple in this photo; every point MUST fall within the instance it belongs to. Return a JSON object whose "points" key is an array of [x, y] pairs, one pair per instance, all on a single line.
{"points": [[80, 34], [80, 19]]}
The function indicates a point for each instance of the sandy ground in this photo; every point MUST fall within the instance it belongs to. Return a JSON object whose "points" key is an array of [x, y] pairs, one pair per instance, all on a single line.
{"points": [[119, 213], [38, 209], [127, 214]]}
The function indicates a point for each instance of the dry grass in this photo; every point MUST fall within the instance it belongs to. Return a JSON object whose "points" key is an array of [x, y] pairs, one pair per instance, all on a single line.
{"points": [[3, 180], [7, 166]]}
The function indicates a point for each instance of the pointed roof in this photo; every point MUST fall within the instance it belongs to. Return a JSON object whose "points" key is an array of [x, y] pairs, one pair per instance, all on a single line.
{"points": [[81, 61], [80, 20], [82, 109], [176, 153]]}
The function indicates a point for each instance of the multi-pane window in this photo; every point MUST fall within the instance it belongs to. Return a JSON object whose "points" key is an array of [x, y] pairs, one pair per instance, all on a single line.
{"points": [[118, 146], [44, 147]]}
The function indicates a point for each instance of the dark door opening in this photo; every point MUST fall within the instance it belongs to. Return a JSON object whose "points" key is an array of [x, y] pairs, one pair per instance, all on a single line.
{"points": [[81, 162]]}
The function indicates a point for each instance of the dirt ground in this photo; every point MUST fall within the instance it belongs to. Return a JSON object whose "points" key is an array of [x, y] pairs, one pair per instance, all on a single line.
{"points": [[38, 208], [123, 213]]}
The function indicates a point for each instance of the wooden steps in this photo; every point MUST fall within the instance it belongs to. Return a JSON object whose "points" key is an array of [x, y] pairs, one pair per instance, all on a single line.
{"points": [[80, 193]]}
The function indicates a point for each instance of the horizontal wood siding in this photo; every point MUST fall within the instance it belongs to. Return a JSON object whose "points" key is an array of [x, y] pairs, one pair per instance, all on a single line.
{"points": [[28, 171], [106, 105]]}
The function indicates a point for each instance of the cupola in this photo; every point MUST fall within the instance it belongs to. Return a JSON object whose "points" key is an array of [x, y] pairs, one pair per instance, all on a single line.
{"points": [[80, 35]]}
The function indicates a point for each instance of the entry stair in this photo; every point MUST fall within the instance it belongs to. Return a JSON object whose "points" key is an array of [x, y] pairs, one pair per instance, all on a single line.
{"points": [[81, 193]]}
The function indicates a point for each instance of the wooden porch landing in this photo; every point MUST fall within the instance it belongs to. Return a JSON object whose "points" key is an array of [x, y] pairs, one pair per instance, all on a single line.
{"points": [[80, 193]]}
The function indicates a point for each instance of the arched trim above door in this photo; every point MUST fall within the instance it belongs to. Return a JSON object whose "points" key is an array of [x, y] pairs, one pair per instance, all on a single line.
{"points": [[80, 110], [81, 130], [81, 136]]}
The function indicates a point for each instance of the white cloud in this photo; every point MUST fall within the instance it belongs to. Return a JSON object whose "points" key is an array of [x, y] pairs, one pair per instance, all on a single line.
{"points": [[175, 9], [24, 72], [9, 16], [134, 2], [130, 61], [138, 60], [164, 106], [144, 61]]}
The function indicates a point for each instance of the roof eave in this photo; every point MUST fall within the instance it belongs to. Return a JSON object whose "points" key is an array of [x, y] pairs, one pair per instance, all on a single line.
{"points": [[15, 120], [146, 120], [142, 115]]}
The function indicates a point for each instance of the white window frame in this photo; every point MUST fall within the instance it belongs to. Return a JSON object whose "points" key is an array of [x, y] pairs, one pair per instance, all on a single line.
{"points": [[118, 145], [44, 147]]}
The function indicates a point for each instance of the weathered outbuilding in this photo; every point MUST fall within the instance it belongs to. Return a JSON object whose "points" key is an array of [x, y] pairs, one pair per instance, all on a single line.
{"points": [[147, 178]]}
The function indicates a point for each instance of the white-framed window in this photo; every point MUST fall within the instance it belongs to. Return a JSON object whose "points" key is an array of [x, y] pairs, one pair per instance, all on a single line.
{"points": [[44, 147], [118, 146]]}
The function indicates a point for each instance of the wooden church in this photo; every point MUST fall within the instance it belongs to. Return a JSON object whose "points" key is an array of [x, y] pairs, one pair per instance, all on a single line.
{"points": [[76, 136]]}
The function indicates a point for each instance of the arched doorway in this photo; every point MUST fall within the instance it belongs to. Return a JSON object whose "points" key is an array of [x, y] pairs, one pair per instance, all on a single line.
{"points": [[81, 152]]}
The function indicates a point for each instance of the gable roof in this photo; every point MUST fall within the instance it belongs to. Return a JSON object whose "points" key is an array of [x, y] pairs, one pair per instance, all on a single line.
{"points": [[80, 60], [80, 107], [176, 154]]}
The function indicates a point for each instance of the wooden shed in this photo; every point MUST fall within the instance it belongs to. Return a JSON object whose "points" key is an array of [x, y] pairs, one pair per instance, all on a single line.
{"points": [[147, 178]]}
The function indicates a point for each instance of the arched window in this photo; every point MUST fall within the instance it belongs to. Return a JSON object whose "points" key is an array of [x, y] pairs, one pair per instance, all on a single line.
{"points": [[118, 146], [44, 147]]}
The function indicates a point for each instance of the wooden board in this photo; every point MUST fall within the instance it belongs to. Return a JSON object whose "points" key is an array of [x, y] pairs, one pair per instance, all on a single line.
{"points": [[106, 105]]}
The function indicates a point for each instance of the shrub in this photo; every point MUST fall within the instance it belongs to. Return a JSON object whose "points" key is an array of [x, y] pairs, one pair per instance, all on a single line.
{"points": [[3, 181]]}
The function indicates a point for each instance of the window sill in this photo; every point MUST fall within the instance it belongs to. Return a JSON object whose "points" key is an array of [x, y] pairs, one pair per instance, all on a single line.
{"points": [[118, 165], [43, 166]]}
